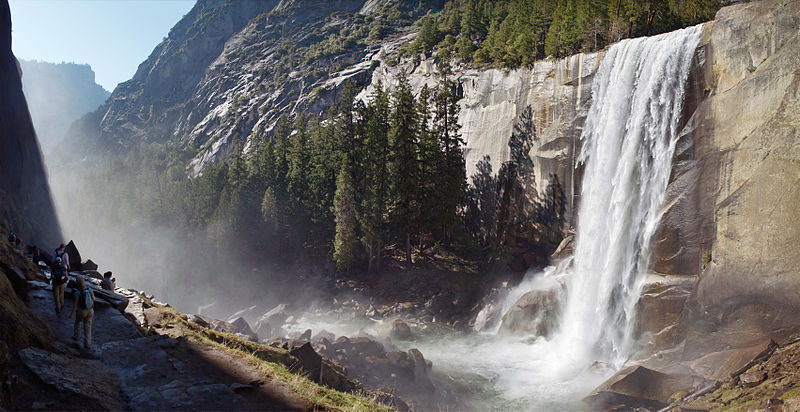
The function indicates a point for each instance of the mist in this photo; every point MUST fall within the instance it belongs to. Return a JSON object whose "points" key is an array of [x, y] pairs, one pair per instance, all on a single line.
{"points": [[57, 95]]}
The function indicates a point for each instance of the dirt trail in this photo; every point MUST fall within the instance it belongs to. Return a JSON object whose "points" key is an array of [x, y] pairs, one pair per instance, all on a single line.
{"points": [[129, 371]]}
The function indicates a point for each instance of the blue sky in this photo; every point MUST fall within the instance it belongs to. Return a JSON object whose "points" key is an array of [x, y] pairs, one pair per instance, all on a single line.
{"points": [[113, 36]]}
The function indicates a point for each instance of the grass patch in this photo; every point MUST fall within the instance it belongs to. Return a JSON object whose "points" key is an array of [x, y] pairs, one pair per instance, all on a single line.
{"points": [[272, 363]]}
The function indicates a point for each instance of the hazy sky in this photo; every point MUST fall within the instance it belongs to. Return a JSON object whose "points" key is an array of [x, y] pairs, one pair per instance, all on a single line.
{"points": [[113, 36]]}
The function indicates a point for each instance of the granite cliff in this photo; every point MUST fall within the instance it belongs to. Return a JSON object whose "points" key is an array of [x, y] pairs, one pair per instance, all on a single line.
{"points": [[25, 203]]}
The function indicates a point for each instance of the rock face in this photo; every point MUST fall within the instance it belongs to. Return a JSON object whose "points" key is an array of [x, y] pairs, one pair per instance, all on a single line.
{"points": [[731, 202], [752, 164], [25, 203], [558, 91]]}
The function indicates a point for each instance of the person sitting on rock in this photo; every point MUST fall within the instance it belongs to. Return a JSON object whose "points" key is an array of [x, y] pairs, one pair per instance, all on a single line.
{"points": [[58, 277], [108, 282], [84, 304], [62, 253]]}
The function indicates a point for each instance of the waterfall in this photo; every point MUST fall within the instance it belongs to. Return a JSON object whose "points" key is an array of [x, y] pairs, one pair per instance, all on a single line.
{"points": [[628, 141]]}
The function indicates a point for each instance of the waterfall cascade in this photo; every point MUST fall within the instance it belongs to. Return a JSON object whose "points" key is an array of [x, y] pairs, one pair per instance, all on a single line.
{"points": [[628, 142]]}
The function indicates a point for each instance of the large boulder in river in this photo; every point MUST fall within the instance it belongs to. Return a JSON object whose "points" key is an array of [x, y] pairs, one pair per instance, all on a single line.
{"points": [[396, 330], [536, 313]]}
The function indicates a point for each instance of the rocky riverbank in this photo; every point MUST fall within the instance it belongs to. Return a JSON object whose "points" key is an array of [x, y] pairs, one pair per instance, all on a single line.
{"points": [[147, 356]]}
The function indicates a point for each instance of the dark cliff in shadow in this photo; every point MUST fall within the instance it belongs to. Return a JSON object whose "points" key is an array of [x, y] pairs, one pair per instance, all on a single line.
{"points": [[25, 203]]}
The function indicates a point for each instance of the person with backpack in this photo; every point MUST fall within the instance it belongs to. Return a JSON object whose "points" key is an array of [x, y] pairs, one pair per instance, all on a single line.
{"points": [[58, 277], [62, 253], [84, 307]]}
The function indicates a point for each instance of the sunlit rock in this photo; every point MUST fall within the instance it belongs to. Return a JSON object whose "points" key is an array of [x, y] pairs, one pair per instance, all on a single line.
{"points": [[536, 312]]}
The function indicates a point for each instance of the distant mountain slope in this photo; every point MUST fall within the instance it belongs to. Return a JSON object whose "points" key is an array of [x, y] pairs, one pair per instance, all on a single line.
{"points": [[233, 67], [57, 95], [25, 203]]}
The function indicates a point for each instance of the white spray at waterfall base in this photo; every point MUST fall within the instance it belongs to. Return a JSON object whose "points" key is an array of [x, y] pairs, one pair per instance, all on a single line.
{"points": [[628, 143]]}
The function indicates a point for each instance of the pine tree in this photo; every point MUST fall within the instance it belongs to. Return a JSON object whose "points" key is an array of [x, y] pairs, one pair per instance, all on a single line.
{"points": [[452, 172], [345, 243], [376, 175], [403, 140]]}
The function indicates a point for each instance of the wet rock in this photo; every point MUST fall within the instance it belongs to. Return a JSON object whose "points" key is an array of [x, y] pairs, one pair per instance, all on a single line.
{"points": [[535, 312], [399, 330], [729, 363], [420, 364], [564, 249], [640, 387], [82, 377]]}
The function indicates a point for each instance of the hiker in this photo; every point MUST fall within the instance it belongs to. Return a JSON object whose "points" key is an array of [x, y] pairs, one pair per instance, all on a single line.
{"points": [[18, 243], [58, 277], [36, 254], [108, 282], [84, 304], [62, 253], [12, 238]]}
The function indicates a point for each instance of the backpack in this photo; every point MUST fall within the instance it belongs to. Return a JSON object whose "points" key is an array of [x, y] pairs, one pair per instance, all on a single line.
{"points": [[85, 300], [12, 237], [59, 275]]}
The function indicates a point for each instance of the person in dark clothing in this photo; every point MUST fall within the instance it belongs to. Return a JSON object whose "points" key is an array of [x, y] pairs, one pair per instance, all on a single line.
{"points": [[62, 253], [108, 283], [58, 277]]}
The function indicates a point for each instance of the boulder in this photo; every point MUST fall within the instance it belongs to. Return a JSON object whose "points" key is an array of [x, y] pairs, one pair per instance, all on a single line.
{"points": [[751, 379], [74, 256], [306, 336], [399, 330], [309, 360], [534, 313], [322, 336], [726, 364], [640, 387], [88, 265], [270, 324], [240, 326]]}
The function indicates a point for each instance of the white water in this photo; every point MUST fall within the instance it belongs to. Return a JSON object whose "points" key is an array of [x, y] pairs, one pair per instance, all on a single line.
{"points": [[628, 142]]}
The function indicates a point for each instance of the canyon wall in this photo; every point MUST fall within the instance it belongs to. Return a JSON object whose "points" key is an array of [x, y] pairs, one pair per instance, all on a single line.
{"points": [[25, 203]]}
